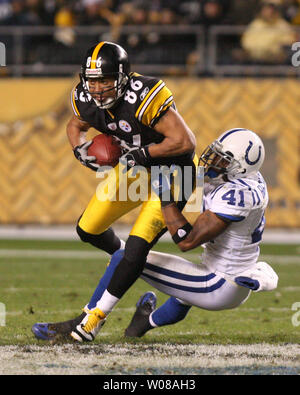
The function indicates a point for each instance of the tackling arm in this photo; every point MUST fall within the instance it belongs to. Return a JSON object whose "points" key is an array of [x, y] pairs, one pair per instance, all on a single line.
{"points": [[207, 226]]}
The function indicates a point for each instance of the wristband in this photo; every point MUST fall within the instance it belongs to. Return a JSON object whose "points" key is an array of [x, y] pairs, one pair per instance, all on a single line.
{"points": [[182, 233], [146, 151]]}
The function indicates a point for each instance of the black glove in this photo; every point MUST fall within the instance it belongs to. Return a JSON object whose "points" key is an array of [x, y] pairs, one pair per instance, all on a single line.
{"points": [[138, 156], [81, 153]]}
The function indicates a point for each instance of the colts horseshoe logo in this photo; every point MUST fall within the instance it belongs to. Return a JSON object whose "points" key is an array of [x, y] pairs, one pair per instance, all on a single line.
{"points": [[250, 162]]}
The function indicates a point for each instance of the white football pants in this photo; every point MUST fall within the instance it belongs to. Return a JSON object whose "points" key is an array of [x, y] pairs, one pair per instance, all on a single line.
{"points": [[194, 284]]}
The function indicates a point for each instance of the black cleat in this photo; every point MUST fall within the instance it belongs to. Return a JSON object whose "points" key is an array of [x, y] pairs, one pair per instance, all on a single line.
{"points": [[140, 324], [50, 331]]}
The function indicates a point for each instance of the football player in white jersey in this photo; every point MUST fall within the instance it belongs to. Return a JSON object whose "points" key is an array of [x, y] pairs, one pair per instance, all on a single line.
{"points": [[229, 228]]}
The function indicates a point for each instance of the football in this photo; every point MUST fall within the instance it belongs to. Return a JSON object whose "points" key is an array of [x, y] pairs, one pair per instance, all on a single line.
{"points": [[106, 149]]}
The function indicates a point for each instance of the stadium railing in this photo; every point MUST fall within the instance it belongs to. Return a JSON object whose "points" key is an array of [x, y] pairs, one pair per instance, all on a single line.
{"points": [[226, 65], [48, 50], [39, 50], [166, 50]]}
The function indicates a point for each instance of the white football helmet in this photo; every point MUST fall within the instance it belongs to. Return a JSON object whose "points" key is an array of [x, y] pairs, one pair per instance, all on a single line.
{"points": [[236, 153]]}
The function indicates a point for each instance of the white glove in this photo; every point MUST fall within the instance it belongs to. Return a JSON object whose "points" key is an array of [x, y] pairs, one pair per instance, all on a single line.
{"points": [[81, 153]]}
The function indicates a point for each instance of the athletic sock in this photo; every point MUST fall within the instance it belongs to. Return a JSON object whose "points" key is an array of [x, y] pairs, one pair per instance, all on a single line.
{"points": [[105, 279], [170, 312], [107, 302]]}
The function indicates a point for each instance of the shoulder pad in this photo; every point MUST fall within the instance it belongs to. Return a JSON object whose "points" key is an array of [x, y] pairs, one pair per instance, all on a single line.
{"points": [[79, 100], [232, 200], [154, 98]]}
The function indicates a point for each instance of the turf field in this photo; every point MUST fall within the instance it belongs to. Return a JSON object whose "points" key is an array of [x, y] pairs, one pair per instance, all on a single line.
{"points": [[52, 281]]}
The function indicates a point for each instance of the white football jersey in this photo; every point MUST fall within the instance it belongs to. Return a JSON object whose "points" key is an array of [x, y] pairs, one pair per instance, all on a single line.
{"points": [[243, 202]]}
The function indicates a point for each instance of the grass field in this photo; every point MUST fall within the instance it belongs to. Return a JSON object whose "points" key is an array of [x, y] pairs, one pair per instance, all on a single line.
{"points": [[51, 281]]}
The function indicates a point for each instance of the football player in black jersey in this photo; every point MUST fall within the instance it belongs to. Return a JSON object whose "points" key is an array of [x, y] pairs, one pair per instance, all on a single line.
{"points": [[140, 111]]}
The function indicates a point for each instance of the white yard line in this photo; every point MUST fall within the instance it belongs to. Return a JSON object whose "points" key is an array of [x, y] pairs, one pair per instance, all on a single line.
{"points": [[55, 254], [68, 232], [74, 254]]}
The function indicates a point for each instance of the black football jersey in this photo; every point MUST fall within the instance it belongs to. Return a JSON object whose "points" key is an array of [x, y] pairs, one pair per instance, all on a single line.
{"points": [[132, 120]]}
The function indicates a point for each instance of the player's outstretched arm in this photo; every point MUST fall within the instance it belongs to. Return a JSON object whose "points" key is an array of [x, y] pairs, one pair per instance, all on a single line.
{"points": [[207, 227]]}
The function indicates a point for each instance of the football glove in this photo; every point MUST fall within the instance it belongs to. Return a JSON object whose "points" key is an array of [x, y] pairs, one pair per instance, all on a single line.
{"points": [[137, 156], [81, 153]]}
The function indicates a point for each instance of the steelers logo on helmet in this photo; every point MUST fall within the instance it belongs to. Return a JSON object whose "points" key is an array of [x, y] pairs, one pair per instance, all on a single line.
{"points": [[105, 61]]}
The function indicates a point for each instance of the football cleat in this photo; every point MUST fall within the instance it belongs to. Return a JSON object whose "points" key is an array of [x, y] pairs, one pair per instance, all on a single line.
{"points": [[90, 326], [140, 324], [50, 331], [42, 331]]}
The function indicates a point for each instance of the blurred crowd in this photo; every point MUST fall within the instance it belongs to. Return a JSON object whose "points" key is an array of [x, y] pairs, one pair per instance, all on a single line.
{"points": [[267, 39], [120, 12]]}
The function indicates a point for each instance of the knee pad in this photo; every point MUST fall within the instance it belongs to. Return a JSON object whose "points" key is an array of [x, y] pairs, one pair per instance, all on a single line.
{"points": [[106, 241], [84, 236]]}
